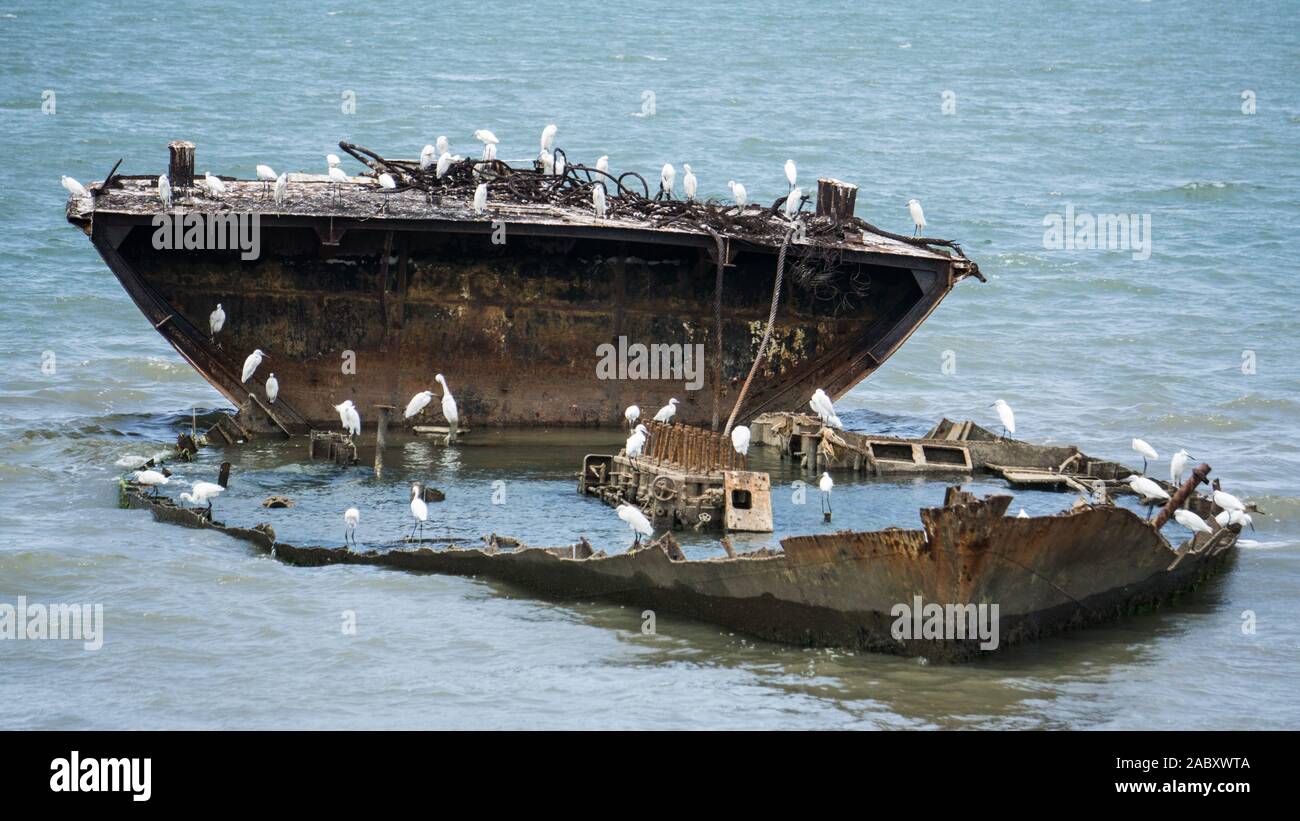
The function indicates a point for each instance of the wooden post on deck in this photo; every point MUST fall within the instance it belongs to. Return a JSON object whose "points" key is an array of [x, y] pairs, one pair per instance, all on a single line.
{"points": [[836, 199], [180, 170], [381, 438]]}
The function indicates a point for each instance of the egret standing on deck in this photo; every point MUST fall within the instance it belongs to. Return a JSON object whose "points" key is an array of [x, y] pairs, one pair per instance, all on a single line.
{"points": [[791, 173], [632, 414], [449, 409], [666, 176], [1177, 464], [251, 364], [216, 320], [419, 510], [151, 479], [1006, 416], [1145, 451], [689, 183], [598, 200], [337, 176], [636, 522], [489, 141], [1149, 491], [428, 156], [480, 198], [443, 144], [75, 188], [280, 188], [351, 517], [387, 184], [165, 191], [826, 484], [214, 184], [332, 160], [1228, 502], [825, 409], [635, 443], [793, 202], [740, 440], [272, 388], [918, 216], [444, 162], [667, 412], [267, 175], [738, 193]]}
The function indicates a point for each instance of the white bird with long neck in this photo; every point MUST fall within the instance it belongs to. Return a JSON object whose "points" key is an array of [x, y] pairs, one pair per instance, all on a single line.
{"points": [[202, 493], [1234, 517], [1006, 416], [548, 162], [418, 403], [337, 177], [667, 412], [151, 479], [449, 409], [666, 176], [216, 321], [280, 189], [480, 198], [272, 388], [74, 188], [342, 409], [822, 406], [1145, 451], [602, 164], [738, 193], [918, 216], [443, 144], [354, 420], [632, 414], [267, 175], [351, 518], [1229, 502], [548, 137], [444, 162], [598, 200], [251, 364], [792, 202], [419, 510], [489, 152], [689, 183], [635, 444], [791, 173], [559, 164], [332, 160], [1147, 490], [428, 157], [214, 184], [386, 184], [486, 137], [636, 522], [165, 191], [825, 485], [1192, 522], [1177, 464], [740, 439]]}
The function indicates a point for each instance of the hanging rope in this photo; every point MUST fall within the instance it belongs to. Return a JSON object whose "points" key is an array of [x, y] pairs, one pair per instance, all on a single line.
{"points": [[767, 333]]}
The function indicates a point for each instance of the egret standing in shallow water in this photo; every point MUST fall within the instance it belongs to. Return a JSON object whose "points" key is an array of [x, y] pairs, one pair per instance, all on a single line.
{"points": [[636, 522], [826, 484], [449, 409], [1177, 464], [272, 388], [419, 510], [825, 410], [791, 173], [216, 320], [1146, 452], [632, 414], [635, 444], [1149, 491], [1006, 416], [203, 493], [666, 176], [418, 403], [689, 183], [667, 412], [918, 216], [351, 517], [251, 364]]}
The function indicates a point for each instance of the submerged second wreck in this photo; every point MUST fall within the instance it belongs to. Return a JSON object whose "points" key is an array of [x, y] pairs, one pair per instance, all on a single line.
{"points": [[360, 292]]}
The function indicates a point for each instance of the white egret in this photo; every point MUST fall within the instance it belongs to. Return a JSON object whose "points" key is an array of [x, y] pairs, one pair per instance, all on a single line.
{"points": [[449, 409], [489, 152], [825, 409], [1145, 451], [602, 164], [689, 183], [332, 160], [667, 412], [1177, 464], [387, 184], [548, 162], [75, 188], [267, 175], [635, 443], [165, 191], [281, 188], [216, 320], [351, 517], [443, 144], [1149, 491], [272, 388], [203, 493], [548, 137], [740, 439], [486, 137], [151, 479], [337, 176], [444, 162], [632, 414], [791, 173], [354, 420], [251, 364], [480, 198], [666, 176], [342, 409], [428, 157], [1022, 514], [1228, 502], [636, 522], [1006, 416], [418, 403], [419, 510], [918, 216], [738, 193], [792, 202], [559, 164], [826, 484], [1234, 517], [1192, 522], [214, 184], [598, 200]]}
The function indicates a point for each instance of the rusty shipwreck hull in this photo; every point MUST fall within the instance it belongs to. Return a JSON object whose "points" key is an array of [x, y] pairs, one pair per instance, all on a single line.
{"points": [[411, 289], [1047, 574]]}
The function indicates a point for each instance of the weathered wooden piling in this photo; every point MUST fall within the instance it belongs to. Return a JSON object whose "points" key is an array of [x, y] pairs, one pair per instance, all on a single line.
{"points": [[836, 199], [180, 168], [381, 438]]}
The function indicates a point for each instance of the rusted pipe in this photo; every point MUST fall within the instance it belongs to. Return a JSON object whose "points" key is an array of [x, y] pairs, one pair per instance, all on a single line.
{"points": [[1200, 475]]}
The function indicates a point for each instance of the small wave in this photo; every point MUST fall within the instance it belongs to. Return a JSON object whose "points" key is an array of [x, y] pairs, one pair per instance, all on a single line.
{"points": [[1251, 544], [647, 57]]}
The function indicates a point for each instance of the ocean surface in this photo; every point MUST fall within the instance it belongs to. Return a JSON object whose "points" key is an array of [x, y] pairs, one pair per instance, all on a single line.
{"points": [[996, 116]]}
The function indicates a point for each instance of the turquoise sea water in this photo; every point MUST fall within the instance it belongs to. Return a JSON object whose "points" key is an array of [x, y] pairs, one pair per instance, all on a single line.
{"points": [[1130, 108]]}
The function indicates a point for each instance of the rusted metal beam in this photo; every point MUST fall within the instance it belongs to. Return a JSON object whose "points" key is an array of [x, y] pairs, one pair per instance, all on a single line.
{"points": [[1200, 475]]}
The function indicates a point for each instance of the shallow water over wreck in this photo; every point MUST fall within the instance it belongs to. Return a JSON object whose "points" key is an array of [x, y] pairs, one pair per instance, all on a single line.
{"points": [[1089, 347]]}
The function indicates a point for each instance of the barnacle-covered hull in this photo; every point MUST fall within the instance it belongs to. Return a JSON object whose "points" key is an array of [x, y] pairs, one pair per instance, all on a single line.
{"points": [[533, 318]]}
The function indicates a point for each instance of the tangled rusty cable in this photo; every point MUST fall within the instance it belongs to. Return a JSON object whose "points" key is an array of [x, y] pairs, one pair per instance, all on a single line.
{"points": [[628, 196]]}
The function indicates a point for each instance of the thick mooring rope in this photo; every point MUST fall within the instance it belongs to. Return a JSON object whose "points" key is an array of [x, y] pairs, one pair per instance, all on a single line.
{"points": [[767, 333]]}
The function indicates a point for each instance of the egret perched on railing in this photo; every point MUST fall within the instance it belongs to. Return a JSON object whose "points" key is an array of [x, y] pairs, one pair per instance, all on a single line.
{"points": [[1006, 416], [449, 409], [791, 173], [216, 320], [667, 412], [632, 414], [267, 175], [738, 193], [792, 203], [351, 517], [689, 183], [666, 176], [918, 216], [602, 164], [272, 388], [202, 493], [1150, 492], [822, 406], [1177, 464], [251, 364], [636, 522], [1145, 451], [635, 444], [1192, 522], [420, 510]]}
